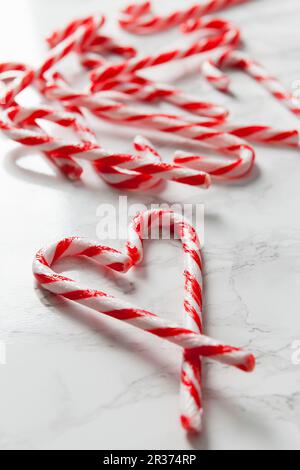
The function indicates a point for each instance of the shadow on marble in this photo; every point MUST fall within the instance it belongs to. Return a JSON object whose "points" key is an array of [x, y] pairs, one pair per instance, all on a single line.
{"points": [[97, 323], [56, 180], [252, 423]]}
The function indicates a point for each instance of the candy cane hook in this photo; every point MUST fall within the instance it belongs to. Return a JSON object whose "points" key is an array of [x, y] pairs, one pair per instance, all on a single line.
{"points": [[138, 18]]}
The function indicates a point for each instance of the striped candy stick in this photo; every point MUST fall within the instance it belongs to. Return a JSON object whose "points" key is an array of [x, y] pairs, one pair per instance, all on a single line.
{"points": [[79, 36], [256, 71], [123, 171], [253, 133], [75, 41], [100, 42], [142, 89], [20, 124], [149, 224], [61, 35], [20, 77], [148, 162], [212, 69], [150, 91], [264, 134], [137, 18], [193, 343], [227, 144], [191, 376], [202, 45], [111, 108], [215, 76]]}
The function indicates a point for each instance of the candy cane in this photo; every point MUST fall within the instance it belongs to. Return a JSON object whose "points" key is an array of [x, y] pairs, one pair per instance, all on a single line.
{"points": [[78, 41], [228, 37], [145, 90], [255, 70], [226, 139], [117, 112], [137, 18], [21, 77], [264, 134], [60, 35], [120, 170], [212, 68], [190, 337], [227, 144], [148, 91], [78, 36], [75, 41], [109, 106]]}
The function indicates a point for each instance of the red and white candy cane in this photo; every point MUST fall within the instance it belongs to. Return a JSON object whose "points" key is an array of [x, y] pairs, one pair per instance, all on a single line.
{"points": [[110, 107], [100, 42], [148, 165], [123, 171], [237, 59], [145, 90], [78, 36], [242, 155], [189, 336], [149, 91], [138, 18], [18, 76], [21, 125], [222, 38], [212, 70], [60, 35], [255, 133], [118, 112], [77, 40]]}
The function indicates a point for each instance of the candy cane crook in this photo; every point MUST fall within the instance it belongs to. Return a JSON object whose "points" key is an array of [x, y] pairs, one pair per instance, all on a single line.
{"points": [[203, 45], [77, 38], [137, 18], [19, 77], [78, 41], [190, 336], [236, 59]]}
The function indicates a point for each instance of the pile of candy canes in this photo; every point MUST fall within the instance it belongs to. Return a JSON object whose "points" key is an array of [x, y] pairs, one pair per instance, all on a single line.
{"points": [[116, 89], [117, 93]]}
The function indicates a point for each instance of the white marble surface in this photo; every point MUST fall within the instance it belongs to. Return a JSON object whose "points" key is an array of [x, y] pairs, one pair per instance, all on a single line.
{"points": [[74, 380]]}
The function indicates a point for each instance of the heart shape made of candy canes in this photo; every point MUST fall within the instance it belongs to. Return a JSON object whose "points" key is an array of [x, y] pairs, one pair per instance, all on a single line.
{"points": [[189, 336], [14, 78]]}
